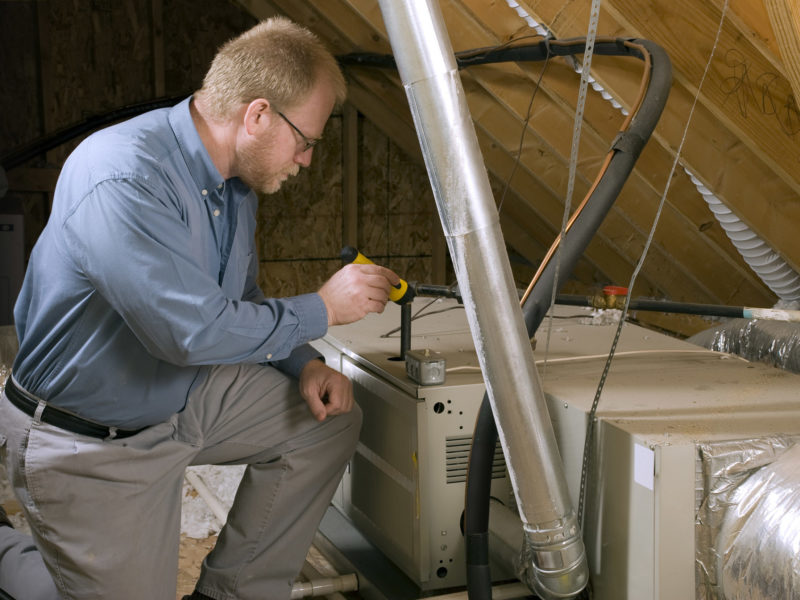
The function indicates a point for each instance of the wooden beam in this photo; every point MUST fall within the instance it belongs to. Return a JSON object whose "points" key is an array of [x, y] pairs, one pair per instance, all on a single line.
{"points": [[349, 175], [752, 20], [677, 235], [747, 184], [157, 27], [33, 180], [785, 18], [358, 25], [743, 89]]}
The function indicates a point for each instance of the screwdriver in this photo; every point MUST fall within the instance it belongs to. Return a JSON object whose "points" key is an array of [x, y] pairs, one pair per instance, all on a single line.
{"points": [[400, 294]]}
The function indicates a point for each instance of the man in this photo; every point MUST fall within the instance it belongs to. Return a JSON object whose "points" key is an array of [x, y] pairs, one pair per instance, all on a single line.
{"points": [[146, 345]]}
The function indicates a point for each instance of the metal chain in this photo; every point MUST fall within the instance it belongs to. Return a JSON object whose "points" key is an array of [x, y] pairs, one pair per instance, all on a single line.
{"points": [[588, 448], [586, 68]]}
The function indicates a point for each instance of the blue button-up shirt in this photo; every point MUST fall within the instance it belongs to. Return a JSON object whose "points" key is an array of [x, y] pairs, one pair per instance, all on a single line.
{"points": [[145, 275]]}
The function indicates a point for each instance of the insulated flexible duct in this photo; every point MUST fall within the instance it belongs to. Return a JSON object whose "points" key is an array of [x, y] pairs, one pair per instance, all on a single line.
{"points": [[757, 541], [765, 262], [471, 225]]}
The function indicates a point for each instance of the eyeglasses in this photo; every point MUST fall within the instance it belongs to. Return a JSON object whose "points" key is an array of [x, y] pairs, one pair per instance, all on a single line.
{"points": [[308, 142]]}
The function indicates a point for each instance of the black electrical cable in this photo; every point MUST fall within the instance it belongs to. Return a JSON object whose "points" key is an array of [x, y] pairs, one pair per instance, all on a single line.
{"points": [[476, 519], [686, 308], [628, 147], [21, 155]]}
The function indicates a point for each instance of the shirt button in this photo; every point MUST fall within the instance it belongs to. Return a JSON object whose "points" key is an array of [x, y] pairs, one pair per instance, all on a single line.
{"points": [[269, 356], [216, 212], [204, 192]]}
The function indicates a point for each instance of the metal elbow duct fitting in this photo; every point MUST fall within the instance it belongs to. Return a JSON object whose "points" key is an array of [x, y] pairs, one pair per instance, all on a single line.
{"points": [[471, 225]]}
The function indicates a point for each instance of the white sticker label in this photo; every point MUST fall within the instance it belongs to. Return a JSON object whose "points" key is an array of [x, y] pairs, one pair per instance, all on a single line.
{"points": [[643, 466]]}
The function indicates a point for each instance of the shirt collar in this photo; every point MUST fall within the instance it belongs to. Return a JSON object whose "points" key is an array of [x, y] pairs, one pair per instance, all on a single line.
{"points": [[203, 170]]}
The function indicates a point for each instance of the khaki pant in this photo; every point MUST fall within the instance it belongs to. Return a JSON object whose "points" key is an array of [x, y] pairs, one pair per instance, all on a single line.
{"points": [[106, 513]]}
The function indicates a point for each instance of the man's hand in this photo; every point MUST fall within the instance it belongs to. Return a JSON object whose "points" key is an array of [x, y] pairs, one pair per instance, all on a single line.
{"points": [[356, 290], [327, 392]]}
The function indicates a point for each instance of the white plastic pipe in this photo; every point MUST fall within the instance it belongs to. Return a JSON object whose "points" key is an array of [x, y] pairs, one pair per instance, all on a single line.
{"points": [[324, 586], [765, 262], [220, 512]]}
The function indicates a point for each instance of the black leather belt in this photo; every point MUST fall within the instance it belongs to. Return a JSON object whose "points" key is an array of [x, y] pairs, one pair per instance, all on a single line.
{"points": [[63, 419]]}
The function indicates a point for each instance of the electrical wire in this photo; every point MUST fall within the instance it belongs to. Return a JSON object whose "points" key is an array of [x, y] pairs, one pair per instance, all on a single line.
{"points": [[589, 357], [522, 134], [417, 315]]}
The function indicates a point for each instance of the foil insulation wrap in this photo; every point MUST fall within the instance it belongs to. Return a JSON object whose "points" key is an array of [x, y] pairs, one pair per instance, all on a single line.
{"points": [[748, 521], [774, 342]]}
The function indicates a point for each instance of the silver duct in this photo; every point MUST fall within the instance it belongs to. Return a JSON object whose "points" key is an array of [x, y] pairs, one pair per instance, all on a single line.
{"points": [[427, 67], [760, 534], [748, 525]]}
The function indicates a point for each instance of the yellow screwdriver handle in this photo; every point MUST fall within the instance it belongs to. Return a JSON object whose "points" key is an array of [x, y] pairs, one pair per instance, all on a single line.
{"points": [[400, 293]]}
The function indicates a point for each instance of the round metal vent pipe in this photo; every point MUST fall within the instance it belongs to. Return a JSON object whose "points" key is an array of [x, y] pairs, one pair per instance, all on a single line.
{"points": [[427, 67]]}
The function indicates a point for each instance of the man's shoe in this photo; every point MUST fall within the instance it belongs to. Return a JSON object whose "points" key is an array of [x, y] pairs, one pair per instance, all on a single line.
{"points": [[4, 520]]}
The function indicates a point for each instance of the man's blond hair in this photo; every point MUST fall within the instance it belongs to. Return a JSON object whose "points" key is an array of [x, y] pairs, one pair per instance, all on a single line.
{"points": [[277, 60]]}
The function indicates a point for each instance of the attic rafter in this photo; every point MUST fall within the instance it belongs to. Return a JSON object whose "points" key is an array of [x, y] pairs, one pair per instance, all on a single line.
{"points": [[680, 234], [785, 18], [740, 79], [618, 230], [676, 240], [750, 186], [751, 19]]}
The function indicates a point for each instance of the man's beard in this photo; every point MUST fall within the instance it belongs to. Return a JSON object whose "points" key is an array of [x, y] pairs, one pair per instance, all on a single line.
{"points": [[250, 162]]}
